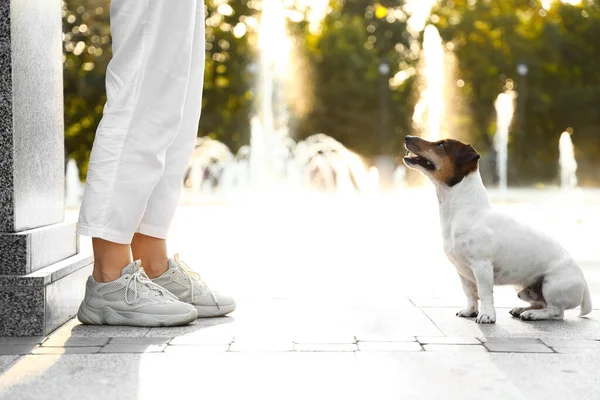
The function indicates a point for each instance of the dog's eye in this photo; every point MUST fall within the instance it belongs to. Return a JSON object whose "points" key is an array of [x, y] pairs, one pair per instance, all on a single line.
{"points": [[440, 145]]}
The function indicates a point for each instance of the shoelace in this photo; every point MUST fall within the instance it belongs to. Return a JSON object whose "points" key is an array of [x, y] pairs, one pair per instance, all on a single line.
{"points": [[140, 277], [192, 277]]}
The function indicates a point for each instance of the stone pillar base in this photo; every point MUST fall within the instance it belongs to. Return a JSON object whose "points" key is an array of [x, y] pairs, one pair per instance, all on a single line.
{"points": [[38, 303]]}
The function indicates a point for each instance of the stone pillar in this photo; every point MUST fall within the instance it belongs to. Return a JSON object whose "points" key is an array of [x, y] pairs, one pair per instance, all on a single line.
{"points": [[42, 274]]}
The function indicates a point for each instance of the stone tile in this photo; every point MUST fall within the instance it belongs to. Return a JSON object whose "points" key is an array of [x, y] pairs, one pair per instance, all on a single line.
{"points": [[67, 350], [74, 328], [389, 346], [577, 350], [261, 345], [384, 338], [324, 337], [133, 348], [7, 361], [74, 341], [201, 348], [457, 348], [16, 349], [584, 344], [140, 340], [216, 326], [517, 347], [22, 340], [325, 347], [572, 327], [447, 340], [523, 340]]}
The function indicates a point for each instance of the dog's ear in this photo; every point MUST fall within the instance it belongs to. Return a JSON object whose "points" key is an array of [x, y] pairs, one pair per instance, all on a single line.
{"points": [[468, 157]]}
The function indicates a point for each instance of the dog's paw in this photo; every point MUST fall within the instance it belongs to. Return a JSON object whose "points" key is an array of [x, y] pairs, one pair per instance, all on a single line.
{"points": [[517, 311], [486, 319], [530, 315], [467, 313]]}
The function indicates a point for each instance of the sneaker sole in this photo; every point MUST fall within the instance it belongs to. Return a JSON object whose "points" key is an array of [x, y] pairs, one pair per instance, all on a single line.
{"points": [[109, 316], [214, 311]]}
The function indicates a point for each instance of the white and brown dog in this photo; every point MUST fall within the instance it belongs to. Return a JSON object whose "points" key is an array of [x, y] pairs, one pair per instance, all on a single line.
{"points": [[488, 248]]}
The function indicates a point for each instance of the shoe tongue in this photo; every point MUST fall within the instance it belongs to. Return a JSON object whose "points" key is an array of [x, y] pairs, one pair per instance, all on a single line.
{"points": [[131, 268], [173, 263]]}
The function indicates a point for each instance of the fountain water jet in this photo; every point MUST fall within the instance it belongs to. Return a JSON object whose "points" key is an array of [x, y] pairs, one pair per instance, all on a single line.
{"points": [[273, 161], [567, 162], [505, 108], [432, 96]]}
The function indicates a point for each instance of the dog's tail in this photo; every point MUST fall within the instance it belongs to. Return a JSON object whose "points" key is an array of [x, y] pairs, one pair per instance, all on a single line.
{"points": [[586, 303]]}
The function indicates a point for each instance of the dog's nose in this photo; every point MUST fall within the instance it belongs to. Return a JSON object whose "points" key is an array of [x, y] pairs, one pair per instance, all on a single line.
{"points": [[409, 139]]}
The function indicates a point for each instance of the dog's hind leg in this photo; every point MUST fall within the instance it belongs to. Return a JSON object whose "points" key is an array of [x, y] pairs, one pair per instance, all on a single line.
{"points": [[532, 295], [470, 290], [562, 291]]}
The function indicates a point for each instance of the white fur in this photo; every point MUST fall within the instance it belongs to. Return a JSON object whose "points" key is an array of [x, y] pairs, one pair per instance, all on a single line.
{"points": [[489, 248]]}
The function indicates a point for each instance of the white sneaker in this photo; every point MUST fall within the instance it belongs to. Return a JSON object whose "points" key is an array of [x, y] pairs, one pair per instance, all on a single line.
{"points": [[187, 285], [133, 300]]}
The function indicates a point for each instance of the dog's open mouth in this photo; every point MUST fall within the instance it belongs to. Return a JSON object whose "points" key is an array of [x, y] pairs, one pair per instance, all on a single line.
{"points": [[414, 159]]}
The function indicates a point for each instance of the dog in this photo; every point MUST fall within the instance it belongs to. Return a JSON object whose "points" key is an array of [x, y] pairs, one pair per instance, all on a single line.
{"points": [[488, 248]]}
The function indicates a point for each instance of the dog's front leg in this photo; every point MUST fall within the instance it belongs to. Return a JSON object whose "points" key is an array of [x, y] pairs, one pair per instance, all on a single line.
{"points": [[470, 290], [484, 276]]}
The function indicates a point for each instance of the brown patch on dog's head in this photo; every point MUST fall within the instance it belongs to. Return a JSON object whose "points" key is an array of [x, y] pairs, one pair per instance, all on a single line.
{"points": [[446, 161]]}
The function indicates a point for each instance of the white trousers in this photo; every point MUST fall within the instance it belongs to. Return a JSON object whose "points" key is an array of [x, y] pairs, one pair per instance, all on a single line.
{"points": [[150, 121]]}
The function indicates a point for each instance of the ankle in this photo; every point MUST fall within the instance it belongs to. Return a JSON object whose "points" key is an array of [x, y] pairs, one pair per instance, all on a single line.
{"points": [[156, 267], [104, 275]]}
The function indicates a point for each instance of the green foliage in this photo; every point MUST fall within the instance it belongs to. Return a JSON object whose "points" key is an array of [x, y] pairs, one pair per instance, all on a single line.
{"points": [[86, 54], [344, 58], [560, 46]]}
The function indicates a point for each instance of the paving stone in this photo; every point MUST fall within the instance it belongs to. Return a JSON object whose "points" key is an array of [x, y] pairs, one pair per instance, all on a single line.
{"points": [[455, 348], [77, 341], [201, 337], [517, 347], [74, 328], [577, 350], [201, 348], [325, 338], [66, 350], [22, 340], [7, 361], [572, 343], [133, 348], [522, 340], [447, 340], [325, 347], [389, 346], [261, 346], [140, 340], [16, 349], [384, 338]]}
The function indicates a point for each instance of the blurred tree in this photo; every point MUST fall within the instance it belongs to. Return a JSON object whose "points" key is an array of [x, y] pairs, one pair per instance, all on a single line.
{"points": [[560, 46], [86, 54], [344, 58]]}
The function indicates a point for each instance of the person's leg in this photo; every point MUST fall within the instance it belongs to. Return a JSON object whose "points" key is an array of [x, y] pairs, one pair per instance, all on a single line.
{"points": [[109, 259], [149, 243], [152, 252], [147, 82], [163, 201]]}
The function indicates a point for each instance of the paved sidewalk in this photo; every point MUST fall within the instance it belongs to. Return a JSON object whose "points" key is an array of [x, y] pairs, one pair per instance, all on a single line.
{"points": [[336, 300]]}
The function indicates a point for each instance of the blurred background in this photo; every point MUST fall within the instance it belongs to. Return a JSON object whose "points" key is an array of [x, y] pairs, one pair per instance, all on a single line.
{"points": [[508, 76]]}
